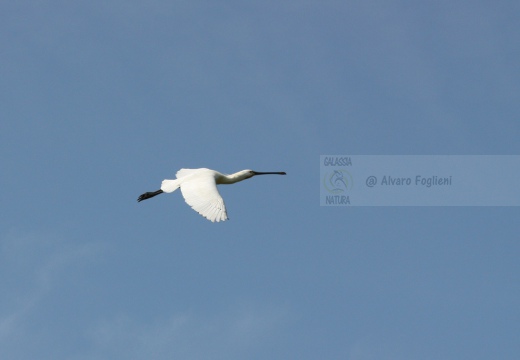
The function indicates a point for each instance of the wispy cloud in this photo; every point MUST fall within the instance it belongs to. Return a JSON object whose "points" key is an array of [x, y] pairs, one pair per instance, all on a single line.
{"points": [[232, 333], [30, 268], [40, 276]]}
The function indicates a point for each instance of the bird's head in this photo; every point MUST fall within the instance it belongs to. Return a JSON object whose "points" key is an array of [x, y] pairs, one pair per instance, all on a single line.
{"points": [[248, 173]]}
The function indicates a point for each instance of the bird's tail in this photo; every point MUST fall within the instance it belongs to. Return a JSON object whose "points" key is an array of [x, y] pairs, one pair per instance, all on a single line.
{"points": [[169, 186]]}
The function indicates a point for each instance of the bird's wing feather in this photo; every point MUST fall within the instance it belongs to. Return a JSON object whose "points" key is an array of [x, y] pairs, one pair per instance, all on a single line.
{"points": [[186, 172], [202, 195]]}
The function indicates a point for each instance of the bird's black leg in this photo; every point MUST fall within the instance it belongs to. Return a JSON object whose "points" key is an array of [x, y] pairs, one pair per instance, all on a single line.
{"points": [[148, 195]]}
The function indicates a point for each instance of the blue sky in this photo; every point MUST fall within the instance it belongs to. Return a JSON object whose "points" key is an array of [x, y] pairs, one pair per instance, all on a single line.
{"points": [[103, 100]]}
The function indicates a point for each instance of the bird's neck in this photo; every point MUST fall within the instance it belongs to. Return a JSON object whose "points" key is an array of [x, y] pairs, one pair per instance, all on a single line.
{"points": [[232, 178]]}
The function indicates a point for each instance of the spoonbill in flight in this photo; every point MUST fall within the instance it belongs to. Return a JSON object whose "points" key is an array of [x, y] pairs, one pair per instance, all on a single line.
{"points": [[199, 189]]}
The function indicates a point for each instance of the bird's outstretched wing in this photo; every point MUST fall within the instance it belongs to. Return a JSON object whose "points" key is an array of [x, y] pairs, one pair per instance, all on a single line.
{"points": [[202, 195], [186, 172]]}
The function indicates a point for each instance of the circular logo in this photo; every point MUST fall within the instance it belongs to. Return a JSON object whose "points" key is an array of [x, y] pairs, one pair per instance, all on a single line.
{"points": [[338, 181]]}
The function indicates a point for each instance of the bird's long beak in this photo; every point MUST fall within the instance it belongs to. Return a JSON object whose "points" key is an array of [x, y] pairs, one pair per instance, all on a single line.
{"points": [[269, 173]]}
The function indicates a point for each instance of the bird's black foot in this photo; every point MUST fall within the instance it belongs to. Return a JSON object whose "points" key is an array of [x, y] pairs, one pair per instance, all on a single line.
{"points": [[148, 195]]}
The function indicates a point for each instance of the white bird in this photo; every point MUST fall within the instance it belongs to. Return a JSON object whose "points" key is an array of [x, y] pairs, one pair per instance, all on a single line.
{"points": [[199, 189]]}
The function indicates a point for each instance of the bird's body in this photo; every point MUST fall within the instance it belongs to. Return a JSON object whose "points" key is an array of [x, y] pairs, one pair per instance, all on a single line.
{"points": [[199, 189]]}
